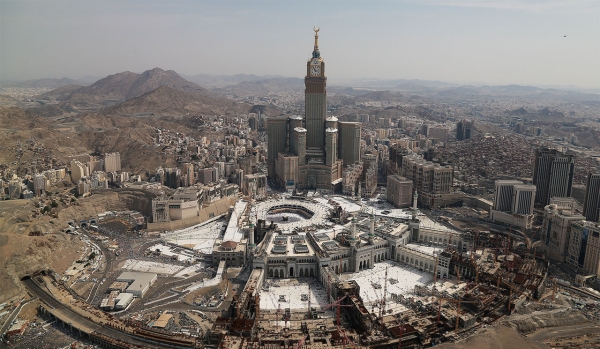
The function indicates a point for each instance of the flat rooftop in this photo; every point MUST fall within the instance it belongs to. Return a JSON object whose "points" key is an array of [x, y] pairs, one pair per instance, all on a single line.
{"points": [[284, 245], [292, 290], [138, 280], [371, 282]]}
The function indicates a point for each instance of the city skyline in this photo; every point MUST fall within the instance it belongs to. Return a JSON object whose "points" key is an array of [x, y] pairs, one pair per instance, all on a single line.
{"points": [[465, 42]]}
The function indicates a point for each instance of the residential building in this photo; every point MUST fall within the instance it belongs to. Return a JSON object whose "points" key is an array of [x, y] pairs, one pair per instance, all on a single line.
{"points": [[399, 191], [78, 171], [112, 162], [432, 181], [39, 184], [255, 186], [556, 230], [584, 248]]}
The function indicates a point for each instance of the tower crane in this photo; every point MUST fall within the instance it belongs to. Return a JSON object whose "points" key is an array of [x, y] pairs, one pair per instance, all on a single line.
{"points": [[345, 338], [401, 329], [458, 302], [301, 342], [339, 306], [277, 314]]}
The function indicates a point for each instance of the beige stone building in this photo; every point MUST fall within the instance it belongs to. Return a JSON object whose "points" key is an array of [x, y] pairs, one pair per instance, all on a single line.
{"points": [[399, 191]]}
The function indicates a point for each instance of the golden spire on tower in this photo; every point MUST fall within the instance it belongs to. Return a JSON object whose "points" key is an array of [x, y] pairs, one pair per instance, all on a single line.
{"points": [[316, 53]]}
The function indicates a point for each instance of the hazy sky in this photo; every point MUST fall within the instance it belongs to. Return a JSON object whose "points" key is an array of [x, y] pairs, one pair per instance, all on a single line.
{"points": [[461, 41]]}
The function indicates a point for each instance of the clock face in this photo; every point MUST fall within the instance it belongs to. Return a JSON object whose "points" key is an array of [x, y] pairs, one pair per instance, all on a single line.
{"points": [[315, 70]]}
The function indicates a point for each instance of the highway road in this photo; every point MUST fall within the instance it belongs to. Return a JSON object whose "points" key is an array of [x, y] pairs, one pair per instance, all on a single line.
{"points": [[76, 320], [12, 317]]}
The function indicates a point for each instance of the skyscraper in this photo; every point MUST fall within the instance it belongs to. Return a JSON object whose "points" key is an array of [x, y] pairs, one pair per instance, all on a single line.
{"points": [[552, 174], [463, 130], [349, 136], [276, 137], [315, 98], [591, 203], [504, 195], [513, 203], [312, 141]]}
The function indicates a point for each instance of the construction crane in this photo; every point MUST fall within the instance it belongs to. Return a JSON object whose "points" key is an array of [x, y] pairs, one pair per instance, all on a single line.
{"points": [[457, 272], [339, 307], [277, 315], [508, 308], [401, 329], [458, 302], [346, 339], [301, 342]]}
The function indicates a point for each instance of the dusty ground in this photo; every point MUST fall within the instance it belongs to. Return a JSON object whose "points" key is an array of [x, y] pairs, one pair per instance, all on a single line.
{"points": [[498, 337], [206, 292], [21, 254]]}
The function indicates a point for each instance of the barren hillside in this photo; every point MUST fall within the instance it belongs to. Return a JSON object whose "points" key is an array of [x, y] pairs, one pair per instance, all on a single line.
{"points": [[168, 101]]}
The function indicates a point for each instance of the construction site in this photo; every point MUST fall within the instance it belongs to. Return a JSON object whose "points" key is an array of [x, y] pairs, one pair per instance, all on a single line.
{"points": [[485, 286], [361, 279]]}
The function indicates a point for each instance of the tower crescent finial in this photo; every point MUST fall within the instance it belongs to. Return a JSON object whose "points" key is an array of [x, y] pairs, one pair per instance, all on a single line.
{"points": [[317, 30]]}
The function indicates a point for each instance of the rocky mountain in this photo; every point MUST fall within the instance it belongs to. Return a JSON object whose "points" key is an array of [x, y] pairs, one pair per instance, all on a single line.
{"points": [[120, 87], [166, 100]]}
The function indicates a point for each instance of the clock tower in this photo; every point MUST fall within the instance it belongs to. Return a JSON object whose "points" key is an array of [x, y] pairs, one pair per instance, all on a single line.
{"points": [[303, 151], [315, 100]]}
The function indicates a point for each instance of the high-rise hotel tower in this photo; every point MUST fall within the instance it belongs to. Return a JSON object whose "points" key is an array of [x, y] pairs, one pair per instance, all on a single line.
{"points": [[303, 151]]}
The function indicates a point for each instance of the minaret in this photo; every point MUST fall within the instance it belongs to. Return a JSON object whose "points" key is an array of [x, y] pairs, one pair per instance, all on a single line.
{"points": [[251, 244], [372, 229], [353, 235], [414, 208]]}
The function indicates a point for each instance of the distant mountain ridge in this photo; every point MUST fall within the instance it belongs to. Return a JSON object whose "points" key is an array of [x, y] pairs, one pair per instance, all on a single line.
{"points": [[127, 85], [41, 83], [263, 87], [218, 81], [120, 87]]}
